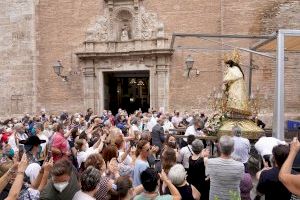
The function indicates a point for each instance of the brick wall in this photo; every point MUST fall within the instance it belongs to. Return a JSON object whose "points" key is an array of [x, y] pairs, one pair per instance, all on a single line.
{"points": [[61, 29], [61, 26]]}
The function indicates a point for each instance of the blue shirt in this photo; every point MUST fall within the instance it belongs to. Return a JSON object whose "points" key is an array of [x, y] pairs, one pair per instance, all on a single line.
{"points": [[241, 149], [139, 167]]}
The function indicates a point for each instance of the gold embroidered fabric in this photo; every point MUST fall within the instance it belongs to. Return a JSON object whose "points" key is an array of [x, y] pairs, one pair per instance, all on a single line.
{"points": [[237, 100]]}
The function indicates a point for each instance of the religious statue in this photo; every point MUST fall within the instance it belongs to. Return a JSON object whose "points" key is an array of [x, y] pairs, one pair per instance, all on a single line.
{"points": [[235, 87], [236, 112], [124, 33]]}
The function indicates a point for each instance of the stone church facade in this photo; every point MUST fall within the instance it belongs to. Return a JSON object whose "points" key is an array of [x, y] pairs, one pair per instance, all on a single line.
{"points": [[95, 37]]}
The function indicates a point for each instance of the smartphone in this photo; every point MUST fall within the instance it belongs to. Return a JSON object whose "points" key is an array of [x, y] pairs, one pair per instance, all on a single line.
{"points": [[21, 151], [157, 158], [49, 155]]}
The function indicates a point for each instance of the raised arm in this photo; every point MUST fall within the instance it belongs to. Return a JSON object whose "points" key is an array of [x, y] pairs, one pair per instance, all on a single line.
{"points": [[47, 168], [124, 155], [18, 183], [173, 190], [67, 134], [291, 182], [35, 184], [100, 142], [4, 180]]}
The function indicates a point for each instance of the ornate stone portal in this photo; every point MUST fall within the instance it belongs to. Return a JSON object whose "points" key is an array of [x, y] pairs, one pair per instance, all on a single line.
{"points": [[125, 38]]}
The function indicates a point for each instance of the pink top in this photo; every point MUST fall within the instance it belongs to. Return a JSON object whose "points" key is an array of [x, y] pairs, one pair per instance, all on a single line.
{"points": [[61, 143]]}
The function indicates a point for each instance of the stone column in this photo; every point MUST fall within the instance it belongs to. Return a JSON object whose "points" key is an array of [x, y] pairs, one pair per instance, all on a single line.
{"points": [[89, 85], [162, 86], [153, 87]]}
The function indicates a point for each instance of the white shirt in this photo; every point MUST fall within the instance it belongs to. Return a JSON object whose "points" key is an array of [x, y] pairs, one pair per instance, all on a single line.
{"points": [[43, 137], [176, 120], [48, 133], [82, 196], [12, 140], [184, 155], [12, 143], [265, 145], [135, 128], [192, 131], [151, 123], [189, 119], [168, 125], [82, 155], [241, 149], [32, 171], [128, 159]]}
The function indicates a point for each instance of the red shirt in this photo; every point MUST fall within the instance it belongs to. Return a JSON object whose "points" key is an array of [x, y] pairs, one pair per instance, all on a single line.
{"points": [[5, 137], [112, 120]]}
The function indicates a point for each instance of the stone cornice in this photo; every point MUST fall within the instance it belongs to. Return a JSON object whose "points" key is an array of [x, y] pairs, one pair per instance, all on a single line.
{"points": [[153, 52]]}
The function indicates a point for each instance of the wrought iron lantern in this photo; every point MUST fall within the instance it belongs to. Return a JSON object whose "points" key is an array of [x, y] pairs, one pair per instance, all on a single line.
{"points": [[58, 68], [189, 64]]}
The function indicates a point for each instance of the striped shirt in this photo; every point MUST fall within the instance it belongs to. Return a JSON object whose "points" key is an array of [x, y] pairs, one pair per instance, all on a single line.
{"points": [[225, 177]]}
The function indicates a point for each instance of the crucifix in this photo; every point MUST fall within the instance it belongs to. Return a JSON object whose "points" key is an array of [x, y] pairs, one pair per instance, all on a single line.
{"points": [[15, 100]]}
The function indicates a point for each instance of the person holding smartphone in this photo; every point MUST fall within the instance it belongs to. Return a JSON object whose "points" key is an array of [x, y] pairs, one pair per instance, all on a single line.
{"points": [[291, 181], [32, 149]]}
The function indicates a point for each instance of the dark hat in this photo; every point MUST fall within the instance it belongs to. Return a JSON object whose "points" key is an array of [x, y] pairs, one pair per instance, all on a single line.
{"points": [[32, 140], [63, 116]]}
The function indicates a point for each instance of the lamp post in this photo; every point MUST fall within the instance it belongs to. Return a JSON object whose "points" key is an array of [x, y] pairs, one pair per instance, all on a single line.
{"points": [[58, 68], [189, 64]]}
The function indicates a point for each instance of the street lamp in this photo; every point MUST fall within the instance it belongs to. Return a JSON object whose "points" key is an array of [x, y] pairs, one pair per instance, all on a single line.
{"points": [[189, 63], [58, 68]]}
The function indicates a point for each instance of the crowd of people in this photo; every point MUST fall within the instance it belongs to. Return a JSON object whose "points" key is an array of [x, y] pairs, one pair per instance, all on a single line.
{"points": [[136, 156]]}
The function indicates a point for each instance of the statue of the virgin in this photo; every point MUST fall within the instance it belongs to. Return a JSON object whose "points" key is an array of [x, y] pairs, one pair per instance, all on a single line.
{"points": [[235, 87], [237, 100], [124, 34]]}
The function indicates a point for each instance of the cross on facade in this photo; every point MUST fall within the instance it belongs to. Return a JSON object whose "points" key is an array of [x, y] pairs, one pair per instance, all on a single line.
{"points": [[15, 103]]}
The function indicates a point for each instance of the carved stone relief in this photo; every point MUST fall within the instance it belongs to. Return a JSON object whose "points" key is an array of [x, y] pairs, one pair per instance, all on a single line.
{"points": [[124, 22], [99, 31], [148, 23]]}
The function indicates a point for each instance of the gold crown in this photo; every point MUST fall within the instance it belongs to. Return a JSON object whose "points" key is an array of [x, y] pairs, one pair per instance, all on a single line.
{"points": [[234, 56]]}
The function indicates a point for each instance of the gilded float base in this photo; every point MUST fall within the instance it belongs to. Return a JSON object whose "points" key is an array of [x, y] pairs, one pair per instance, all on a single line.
{"points": [[249, 129]]}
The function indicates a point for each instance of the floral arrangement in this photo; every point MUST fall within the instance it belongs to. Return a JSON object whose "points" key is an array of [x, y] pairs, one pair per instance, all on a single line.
{"points": [[214, 123]]}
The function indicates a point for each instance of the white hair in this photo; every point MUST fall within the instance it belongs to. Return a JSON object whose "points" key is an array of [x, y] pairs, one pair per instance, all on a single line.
{"points": [[226, 144], [177, 174], [107, 123], [237, 131], [18, 126]]}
